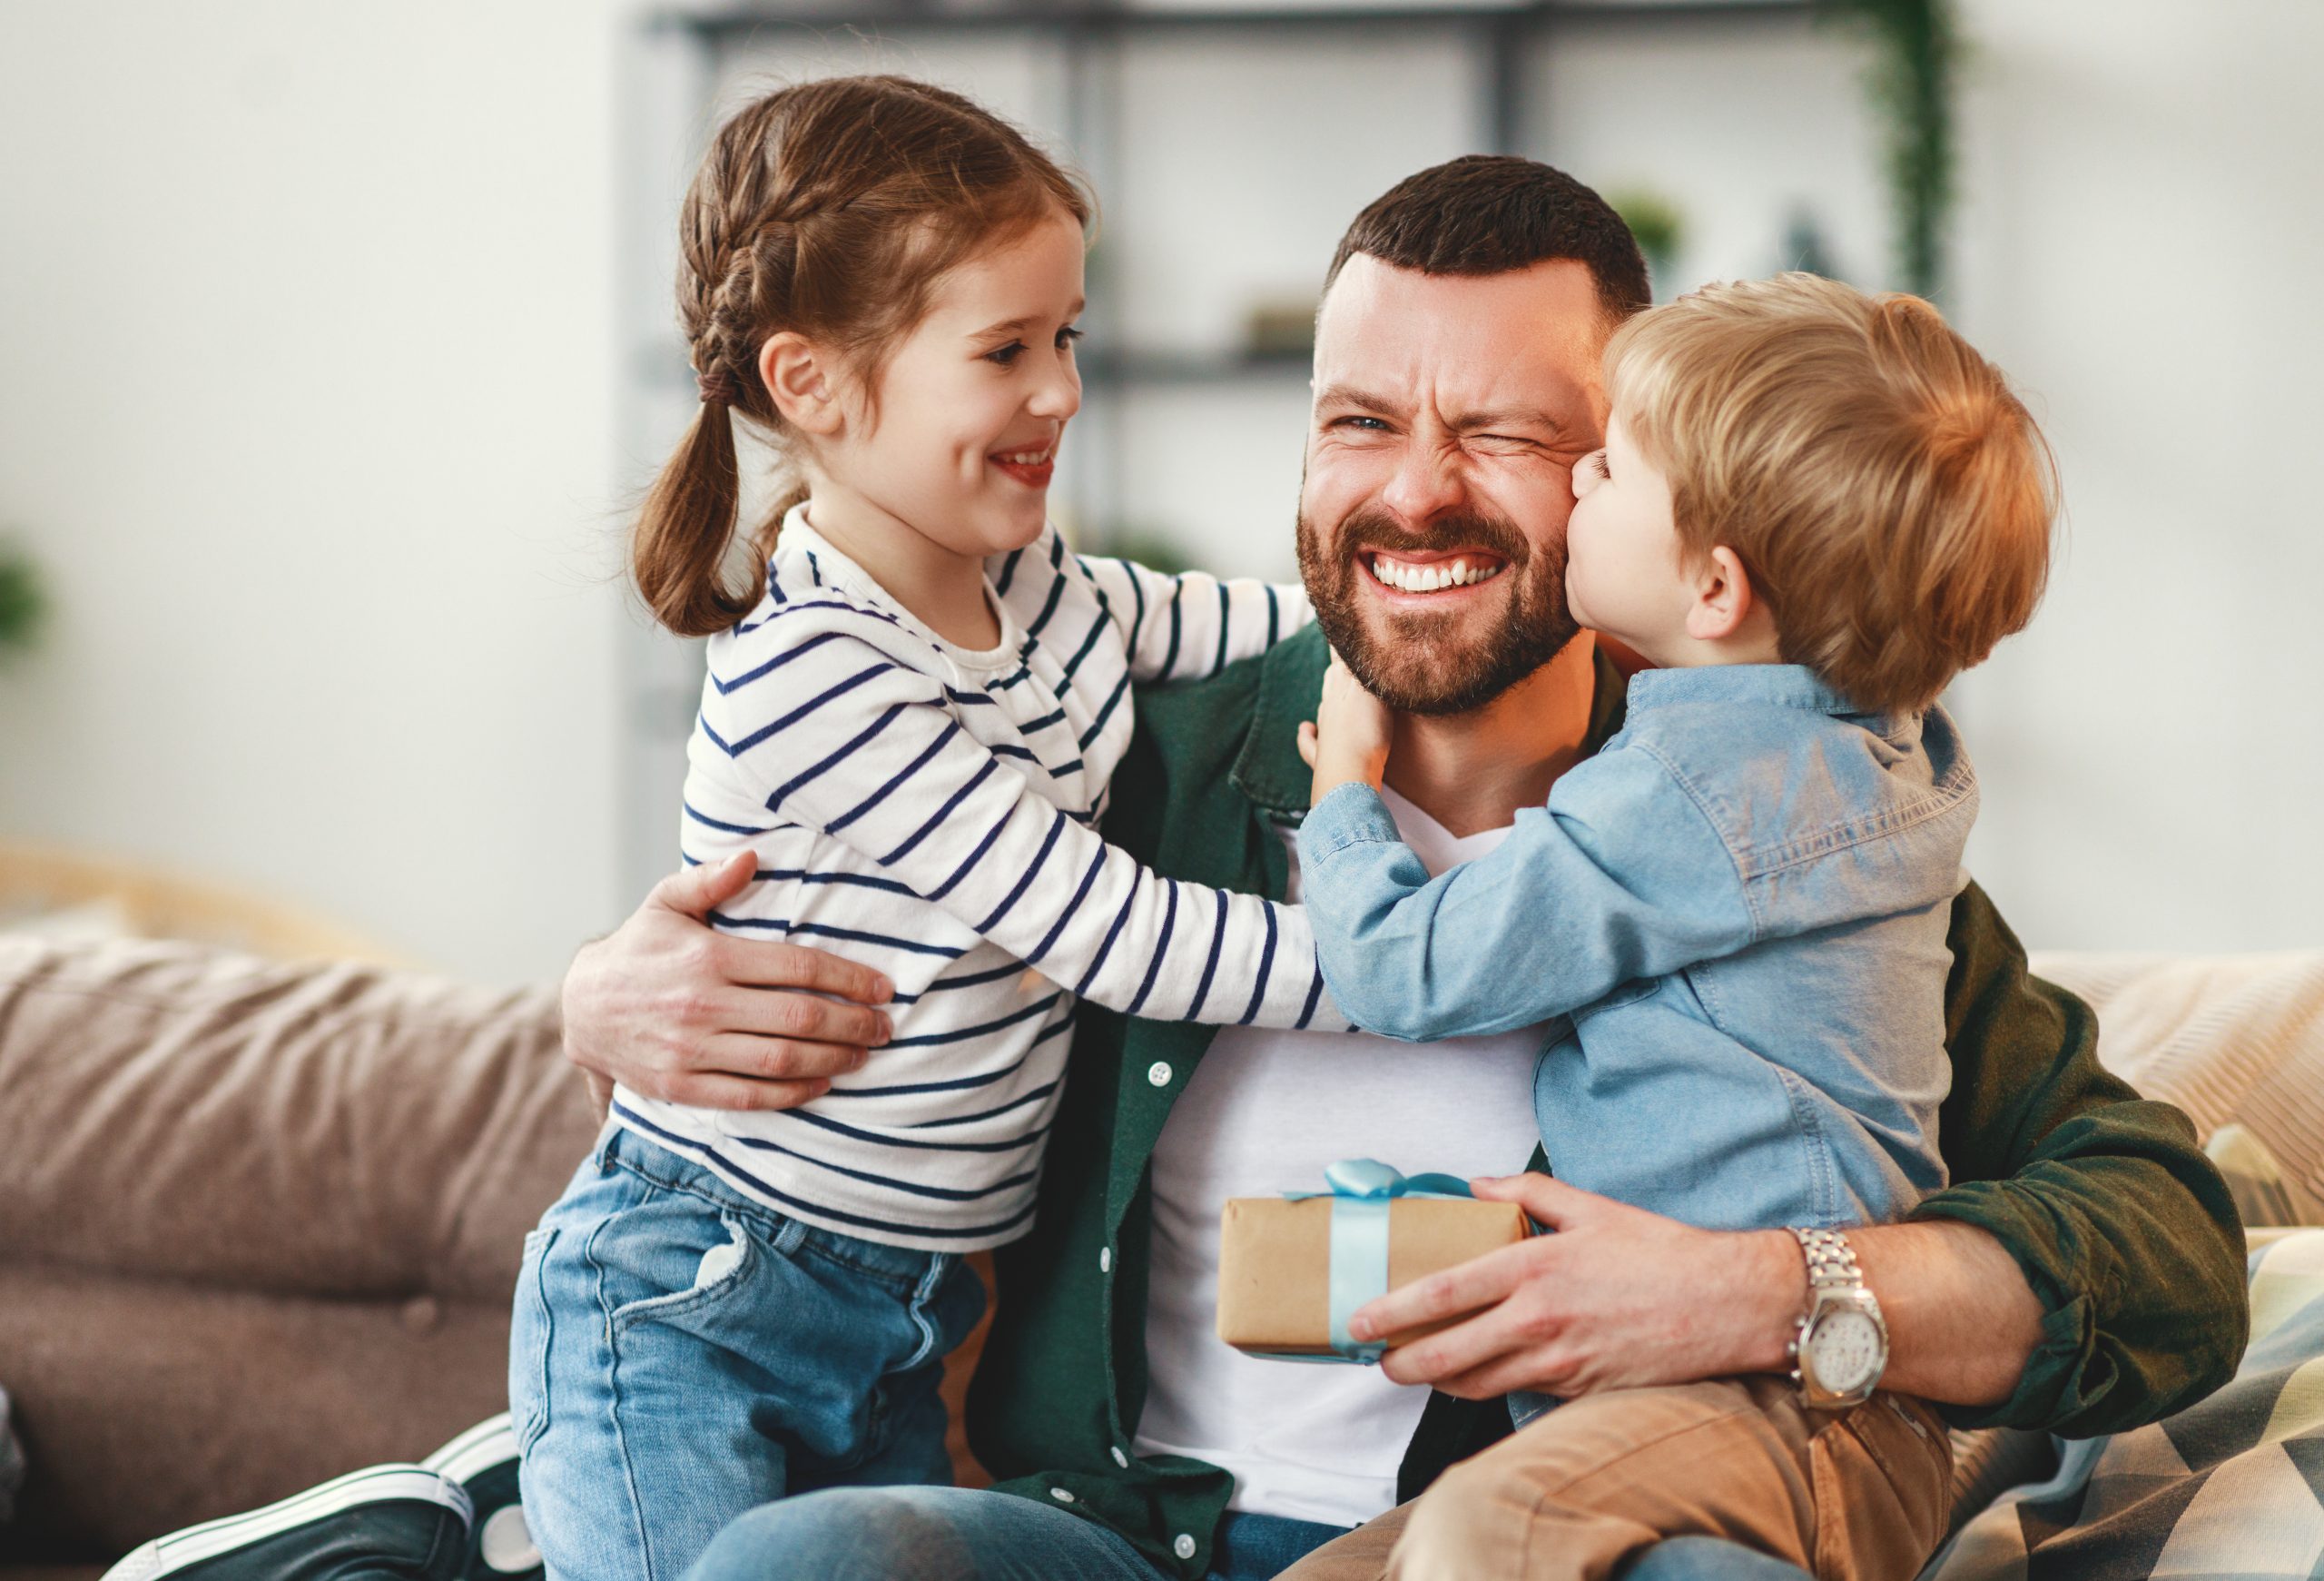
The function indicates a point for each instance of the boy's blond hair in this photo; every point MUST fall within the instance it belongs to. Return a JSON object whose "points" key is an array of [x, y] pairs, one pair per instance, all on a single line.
{"points": [[1890, 498]]}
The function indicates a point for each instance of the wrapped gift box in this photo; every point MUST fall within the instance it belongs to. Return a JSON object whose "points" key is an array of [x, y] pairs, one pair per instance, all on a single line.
{"points": [[1276, 1260]]}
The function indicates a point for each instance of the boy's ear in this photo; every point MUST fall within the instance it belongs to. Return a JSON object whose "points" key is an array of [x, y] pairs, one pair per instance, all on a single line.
{"points": [[802, 382], [1723, 597]]}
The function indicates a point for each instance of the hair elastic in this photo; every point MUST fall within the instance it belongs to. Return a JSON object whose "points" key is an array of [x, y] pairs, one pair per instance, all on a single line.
{"points": [[717, 388]]}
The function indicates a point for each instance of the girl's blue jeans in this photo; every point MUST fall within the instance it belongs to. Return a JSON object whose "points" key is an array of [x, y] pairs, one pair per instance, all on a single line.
{"points": [[681, 1355]]}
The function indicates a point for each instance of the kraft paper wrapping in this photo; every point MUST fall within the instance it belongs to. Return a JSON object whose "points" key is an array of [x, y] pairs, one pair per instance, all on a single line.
{"points": [[1275, 1263]]}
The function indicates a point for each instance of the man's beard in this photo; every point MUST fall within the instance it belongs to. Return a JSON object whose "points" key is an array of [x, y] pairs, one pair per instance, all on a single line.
{"points": [[1424, 663]]}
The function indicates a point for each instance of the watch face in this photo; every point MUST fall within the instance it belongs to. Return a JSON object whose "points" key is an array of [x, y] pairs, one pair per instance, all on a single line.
{"points": [[1846, 1349]]}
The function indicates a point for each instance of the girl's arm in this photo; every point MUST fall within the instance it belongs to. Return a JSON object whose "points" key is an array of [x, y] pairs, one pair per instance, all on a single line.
{"points": [[1186, 627], [1620, 877], [865, 748]]}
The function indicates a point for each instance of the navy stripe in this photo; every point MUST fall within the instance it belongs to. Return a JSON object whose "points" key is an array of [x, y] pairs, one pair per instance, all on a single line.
{"points": [[942, 813], [838, 690], [1043, 723], [1121, 690], [814, 567], [702, 818], [950, 728], [839, 755], [1098, 628], [1035, 1096], [961, 1035], [776, 663], [1226, 626], [1121, 918], [772, 615], [975, 856], [1314, 997], [970, 698], [1210, 967], [1008, 572], [726, 1166], [853, 935], [1071, 906], [958, 1083], [972, 979], [825, 1122], [1170, 654], [1060, 770], [853, 880], [1137, 594], [1161, 950], [1048, 844], [773, 586], [912, 1188], [1266, 963], [1023, 672], [1010, 749], [1049, 607]]}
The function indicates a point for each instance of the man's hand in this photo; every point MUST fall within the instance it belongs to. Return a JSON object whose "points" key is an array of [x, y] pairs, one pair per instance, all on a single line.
{"points": [[1349, 740], [1618, 1297], [669, 1008]]}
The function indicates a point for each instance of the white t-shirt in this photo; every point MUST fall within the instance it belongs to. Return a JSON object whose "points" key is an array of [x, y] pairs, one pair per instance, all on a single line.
{"points": [[1265, 1112]]}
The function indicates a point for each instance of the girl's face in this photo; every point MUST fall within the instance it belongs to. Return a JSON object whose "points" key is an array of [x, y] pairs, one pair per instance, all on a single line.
{"points": [[1625, 573], [972, 404]]}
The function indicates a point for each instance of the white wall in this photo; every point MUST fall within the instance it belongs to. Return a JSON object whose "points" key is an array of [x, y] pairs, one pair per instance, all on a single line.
{"points": [[307, 385], [2142, 234]]}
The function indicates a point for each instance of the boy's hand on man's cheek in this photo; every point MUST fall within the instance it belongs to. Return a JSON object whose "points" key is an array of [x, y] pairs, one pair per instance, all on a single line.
{"points": [[1349, 740]]}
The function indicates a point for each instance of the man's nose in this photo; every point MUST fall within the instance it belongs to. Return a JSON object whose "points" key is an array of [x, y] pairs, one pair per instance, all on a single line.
{"points": [[1427, 483]]}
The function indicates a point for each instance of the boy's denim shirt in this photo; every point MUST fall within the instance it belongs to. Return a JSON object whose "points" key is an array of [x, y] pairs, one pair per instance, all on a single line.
{"points": [[1734, 916]]}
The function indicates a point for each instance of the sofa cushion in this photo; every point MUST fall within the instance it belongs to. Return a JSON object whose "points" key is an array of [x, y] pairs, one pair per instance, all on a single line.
{"points": [[323, 1130], [2235, 1040]]}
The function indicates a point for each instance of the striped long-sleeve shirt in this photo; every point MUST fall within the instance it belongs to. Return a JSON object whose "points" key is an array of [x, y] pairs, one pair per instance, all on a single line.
{"points": [[933, 811]]}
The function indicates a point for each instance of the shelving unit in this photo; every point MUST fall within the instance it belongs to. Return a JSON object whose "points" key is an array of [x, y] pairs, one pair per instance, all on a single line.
{"points": [[1158, 392]]}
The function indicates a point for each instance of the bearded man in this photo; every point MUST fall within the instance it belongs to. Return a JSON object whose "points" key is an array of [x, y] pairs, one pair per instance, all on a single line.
{"points": [[2083, 1272]]}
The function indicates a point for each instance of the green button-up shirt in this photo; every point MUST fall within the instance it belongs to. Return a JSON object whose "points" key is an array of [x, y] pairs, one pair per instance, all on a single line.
{"points": [[2124, 1232]]}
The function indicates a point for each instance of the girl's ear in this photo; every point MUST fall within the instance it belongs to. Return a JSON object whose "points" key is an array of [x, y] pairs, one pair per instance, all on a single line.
{"points": [[802, 382], [1723, 597]]}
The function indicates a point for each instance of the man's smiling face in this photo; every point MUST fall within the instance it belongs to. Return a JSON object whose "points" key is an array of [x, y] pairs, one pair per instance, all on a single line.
{"points": [[1449, 411]]}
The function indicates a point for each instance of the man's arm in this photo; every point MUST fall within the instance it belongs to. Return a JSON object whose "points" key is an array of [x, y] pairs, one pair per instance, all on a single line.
{"points": [[670, 1008], [2083, 1273]]}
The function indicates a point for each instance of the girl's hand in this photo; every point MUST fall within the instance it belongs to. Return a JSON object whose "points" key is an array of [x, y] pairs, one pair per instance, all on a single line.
{"points": [[1349, 739]]}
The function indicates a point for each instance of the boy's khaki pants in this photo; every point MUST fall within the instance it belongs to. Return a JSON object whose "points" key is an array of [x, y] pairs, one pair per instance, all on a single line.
{"points": [[1856, 1496]]}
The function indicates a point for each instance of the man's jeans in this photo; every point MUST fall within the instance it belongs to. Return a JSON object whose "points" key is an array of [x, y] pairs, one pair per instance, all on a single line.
{"points": [[953, 1534], [681, 1355]]}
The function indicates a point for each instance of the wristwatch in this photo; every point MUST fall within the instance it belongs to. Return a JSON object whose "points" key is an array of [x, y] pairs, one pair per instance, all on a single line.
{"points": [[1842, 1346]]}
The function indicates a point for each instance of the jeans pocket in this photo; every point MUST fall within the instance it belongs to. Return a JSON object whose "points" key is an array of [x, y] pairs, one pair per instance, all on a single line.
{"points": [[529, 1333], [720, 1269]]}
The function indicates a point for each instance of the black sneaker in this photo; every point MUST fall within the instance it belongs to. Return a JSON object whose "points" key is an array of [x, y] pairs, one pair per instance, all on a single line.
{"points": [[483, 1461], [384, 1523]]}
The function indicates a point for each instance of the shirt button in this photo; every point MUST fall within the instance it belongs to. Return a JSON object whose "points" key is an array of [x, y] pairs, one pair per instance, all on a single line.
{"points": [[1060, 1495], [1158, 1072], [1185, 1546], [1121, 1459], [1106, 1260]]}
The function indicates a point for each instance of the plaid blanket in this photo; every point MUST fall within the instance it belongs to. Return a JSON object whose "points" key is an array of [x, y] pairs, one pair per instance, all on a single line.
{"points": [[2231, 1488]]}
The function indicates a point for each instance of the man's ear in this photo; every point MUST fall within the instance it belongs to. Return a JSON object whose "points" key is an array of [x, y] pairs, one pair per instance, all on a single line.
{"points": [[803, 382], [1723, 597]]}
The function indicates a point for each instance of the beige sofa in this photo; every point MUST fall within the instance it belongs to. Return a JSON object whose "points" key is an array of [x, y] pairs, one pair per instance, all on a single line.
{"points": [[259, 1223]]}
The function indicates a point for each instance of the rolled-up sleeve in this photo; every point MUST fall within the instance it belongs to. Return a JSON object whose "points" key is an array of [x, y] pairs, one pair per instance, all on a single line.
{"points": [[2124, 1230]]}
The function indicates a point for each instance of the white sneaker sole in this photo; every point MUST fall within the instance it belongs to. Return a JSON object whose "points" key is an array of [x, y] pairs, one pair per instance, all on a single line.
{"points": [[488, 1443], [167, 1556]]}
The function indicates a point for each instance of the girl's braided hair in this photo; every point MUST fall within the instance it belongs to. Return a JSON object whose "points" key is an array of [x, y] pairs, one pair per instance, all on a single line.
{"points": [[832, 209]]}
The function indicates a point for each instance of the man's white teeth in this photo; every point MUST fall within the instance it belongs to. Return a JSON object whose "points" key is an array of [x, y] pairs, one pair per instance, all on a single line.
{"points": [[1408, 577], [1026, 458]]}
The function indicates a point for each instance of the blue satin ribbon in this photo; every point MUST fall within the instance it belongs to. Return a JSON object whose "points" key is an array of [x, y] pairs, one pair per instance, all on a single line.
{"points": [[1360, 1192]]}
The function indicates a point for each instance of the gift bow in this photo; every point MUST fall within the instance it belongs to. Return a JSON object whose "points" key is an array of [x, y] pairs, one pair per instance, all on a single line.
{"points": [[1361, 1193]]}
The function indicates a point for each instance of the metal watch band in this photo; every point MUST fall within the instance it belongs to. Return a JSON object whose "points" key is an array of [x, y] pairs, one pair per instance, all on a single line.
{"points": [[1831, 1261]]}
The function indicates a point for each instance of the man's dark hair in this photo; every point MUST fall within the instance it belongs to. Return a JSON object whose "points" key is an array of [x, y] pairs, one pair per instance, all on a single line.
{"points": [[1489, 213]]}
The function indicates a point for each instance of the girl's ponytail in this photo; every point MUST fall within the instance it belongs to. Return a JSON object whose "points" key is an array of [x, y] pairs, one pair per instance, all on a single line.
{"points": [[831, 208], [678, 554]]}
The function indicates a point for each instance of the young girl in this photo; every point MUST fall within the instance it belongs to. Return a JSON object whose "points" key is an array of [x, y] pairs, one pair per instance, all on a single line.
{"points": [[910, 718]]}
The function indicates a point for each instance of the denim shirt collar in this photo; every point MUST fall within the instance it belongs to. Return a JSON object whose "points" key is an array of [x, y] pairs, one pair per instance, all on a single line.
{"points": [[1782, 685], [1269, 770]]}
